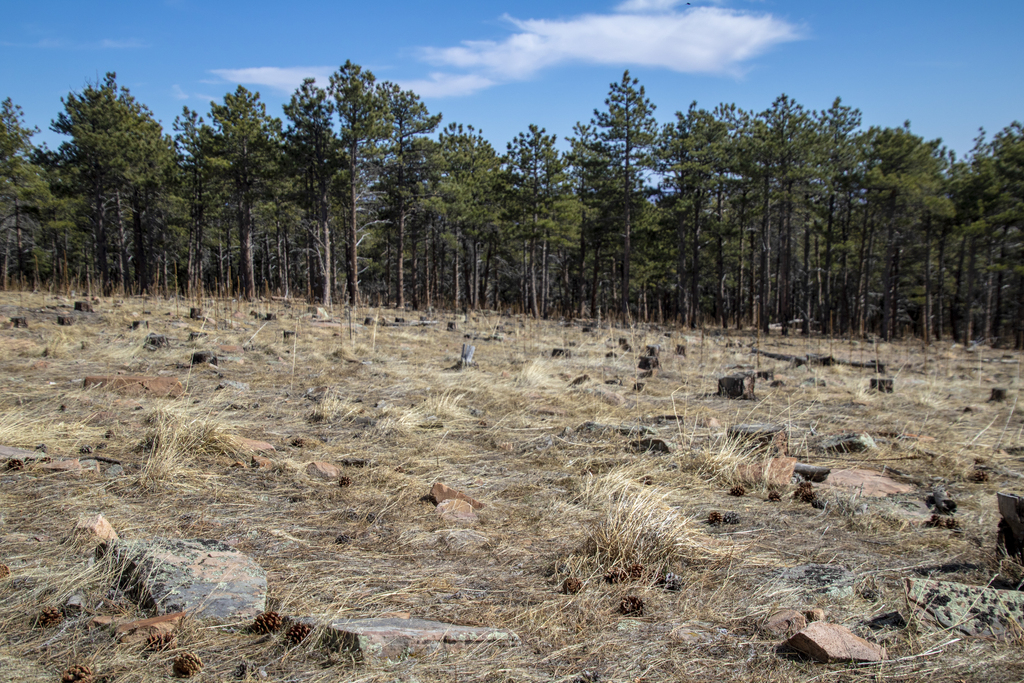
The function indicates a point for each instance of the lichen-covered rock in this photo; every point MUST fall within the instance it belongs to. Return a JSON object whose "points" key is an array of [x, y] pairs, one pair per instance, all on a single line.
{"points": [[973, 610], [393, 638]]}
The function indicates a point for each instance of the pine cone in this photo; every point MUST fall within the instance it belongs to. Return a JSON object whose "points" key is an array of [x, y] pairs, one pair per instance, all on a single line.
{"points": [[632, 605], [297, 633], [978, 476], [635, 571], [804, 492], [267, 622], [731, 518], [818, 503], [572, 586], [86, 450], [14, 464], [737, 490], [5, 571], [344, 481], [159, 641], [615, 575], [774, 496], [78, 673], [187, 664], [50, 616], [298, 442], [714, 518]]}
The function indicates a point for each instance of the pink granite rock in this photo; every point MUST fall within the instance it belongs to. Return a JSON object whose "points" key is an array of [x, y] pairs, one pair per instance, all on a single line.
{"points": [[827, 642]]}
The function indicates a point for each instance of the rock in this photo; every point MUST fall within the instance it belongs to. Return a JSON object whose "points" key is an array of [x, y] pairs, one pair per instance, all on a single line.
{"points": [[776, 472], [827, 642], [762, 437], [261, 462], [135, 632], [71, 465], [114, 471], [137, 386], [231, 384], [441, 493], [101, 621], [95, 527], [204, 577], [974, 611], [20, 453], [816, 614], [849, 443], [254, 446], [649, 445], [395, 638], [231, 350], [455, 510], [868, 482], [606, 395], [785, 622], [460, 539], [820, 579], [322, 470]]}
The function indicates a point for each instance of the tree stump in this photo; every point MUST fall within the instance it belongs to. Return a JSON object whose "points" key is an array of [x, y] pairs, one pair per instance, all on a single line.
{"points": [[20, 322], [289, 334], [881, 384], [157, 341], [452, 326], [649, 363], [564, 353], [998, 395], [65, 320], [368, 322], [681, 350], [772, 438], [466, 358], [136, 324], [270, 316], [654, 350], [195, 313], [587, 330], [83, 306], [765, 374], [737, 386], [1010, 537], [200, 357], [624, 344], [638, 387], [192, 336]]}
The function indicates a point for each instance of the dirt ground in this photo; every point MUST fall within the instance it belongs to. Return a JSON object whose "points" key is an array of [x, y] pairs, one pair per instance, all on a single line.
{"points": [[389, 406]]}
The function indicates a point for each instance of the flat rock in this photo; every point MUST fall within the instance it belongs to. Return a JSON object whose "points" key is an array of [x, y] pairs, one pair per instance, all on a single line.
{"points": [[203, 577], [455, 510], [442, 492], [972, 610], [231, 384], [253, 445], [138, 631], [20, 453], [231, 349], [137, 386], [322, 470], [820, 579], [261, 462], [95, 527], [785, 622], [849, 443], [827, 642], [869, 483], [775, 472], [394, 638], [69, 465], [460, 539]]}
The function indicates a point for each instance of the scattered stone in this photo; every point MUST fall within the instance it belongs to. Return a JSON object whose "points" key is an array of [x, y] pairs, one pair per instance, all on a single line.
{"points": [[820, 579], [71, 465], [827, 642], [975, 611], [322, 470], [652, 445], [390, 638], [136, 632], [114, 471], [441, 493], [868, 483], [816, 614], [253, 445], [261, 462], [231, 384], [785, 623], [455, 510], [849, 443], [95, 527], [203, 577], [812, 382], [136, 386]]}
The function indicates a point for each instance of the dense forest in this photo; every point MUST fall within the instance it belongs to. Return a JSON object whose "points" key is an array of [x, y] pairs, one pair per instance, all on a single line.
{"points": [[785, 219]]}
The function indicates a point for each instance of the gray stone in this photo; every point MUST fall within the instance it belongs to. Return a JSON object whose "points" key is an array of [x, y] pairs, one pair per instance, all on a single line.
{"points": [[820, 579], [206, 578], [232, 384], [114, 471], [972, 610], [392, 638], [849, 443]]}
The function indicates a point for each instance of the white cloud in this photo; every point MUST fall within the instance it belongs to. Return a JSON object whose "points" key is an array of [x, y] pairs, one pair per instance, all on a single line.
{"points": [[130, 43], [448, 85], [285, 79], [178, 93], [699, 40]]}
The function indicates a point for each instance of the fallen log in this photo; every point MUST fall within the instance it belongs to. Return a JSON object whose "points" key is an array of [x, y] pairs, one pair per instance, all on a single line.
{"points": [[818, 359], [1010, 536], [812, 472]]}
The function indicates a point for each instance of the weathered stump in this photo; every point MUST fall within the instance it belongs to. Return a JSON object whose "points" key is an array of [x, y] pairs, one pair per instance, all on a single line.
{"points": [[20, 322], [624, 344], [654, 350], [157, 341], [772, 438], [195, 313], [368, 322], [83, 306], [399, 321], [452, 326], [200, 357], [882, 384], [681, 350], [649, 363], [998, 395], [270, 316], [289, 334], [638, 387], [563, 353], [136, 324], [65, 320], [466, 358], [1010, 537], [737, 386]]}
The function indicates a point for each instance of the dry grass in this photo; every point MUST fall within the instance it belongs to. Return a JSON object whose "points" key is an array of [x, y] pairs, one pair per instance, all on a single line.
{"points": [[560, 502]]}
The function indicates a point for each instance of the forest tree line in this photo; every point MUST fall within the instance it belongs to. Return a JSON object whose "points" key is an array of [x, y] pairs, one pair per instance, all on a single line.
{"points": [[786, 218]]}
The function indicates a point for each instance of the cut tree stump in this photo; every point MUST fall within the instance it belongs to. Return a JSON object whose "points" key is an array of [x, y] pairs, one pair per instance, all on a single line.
{"points": [[764, 436], [19, 322], [681, 350], [195, 313], [136, 324], [157, 341], [466, 358], [452, 326], [200, 357], [65, 320], [1010, 538], [83, 306], [998, 395], [737, 386], [289, 334], [368, 322], [270, 316], [649, 363], [563, 353], [881, 384], [399, 321], [654, 350]]}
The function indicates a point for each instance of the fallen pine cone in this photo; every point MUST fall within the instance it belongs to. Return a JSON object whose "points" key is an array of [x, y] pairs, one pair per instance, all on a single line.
{"points": [[615, 575], [159, 641], [635, 571], [50, 616], [78, 673], [737, 490], [5, 571], [187, 664], [267, 622], [632, 605], [572, 586], [941, 522], [15, 464], [804, 492], [774, 496], [344, 481], [714, 518], [297, 633], [978, 476]]}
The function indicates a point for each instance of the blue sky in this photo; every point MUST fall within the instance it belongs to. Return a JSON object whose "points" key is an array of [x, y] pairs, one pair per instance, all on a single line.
{"points": [[948, 67]]}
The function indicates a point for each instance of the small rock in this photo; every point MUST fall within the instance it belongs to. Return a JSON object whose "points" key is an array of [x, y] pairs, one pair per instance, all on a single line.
{"points": [[455, 510], [254, 445], [231, 384], [816, 614], [101, 621], [135, 632], [261, 462], [389, 638], [72, 465], [785, 622], [606, 395], [322, 470], [114, 471], [867, 482], [827, 642], [441, 493], [95, 527], [849, 443]]}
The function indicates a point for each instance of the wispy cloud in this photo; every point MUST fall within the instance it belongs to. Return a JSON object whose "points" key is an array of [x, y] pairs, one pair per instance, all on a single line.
{"points": [[448, 85], [283, 79], [129, 44], [61, 44], [641, 32]]}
